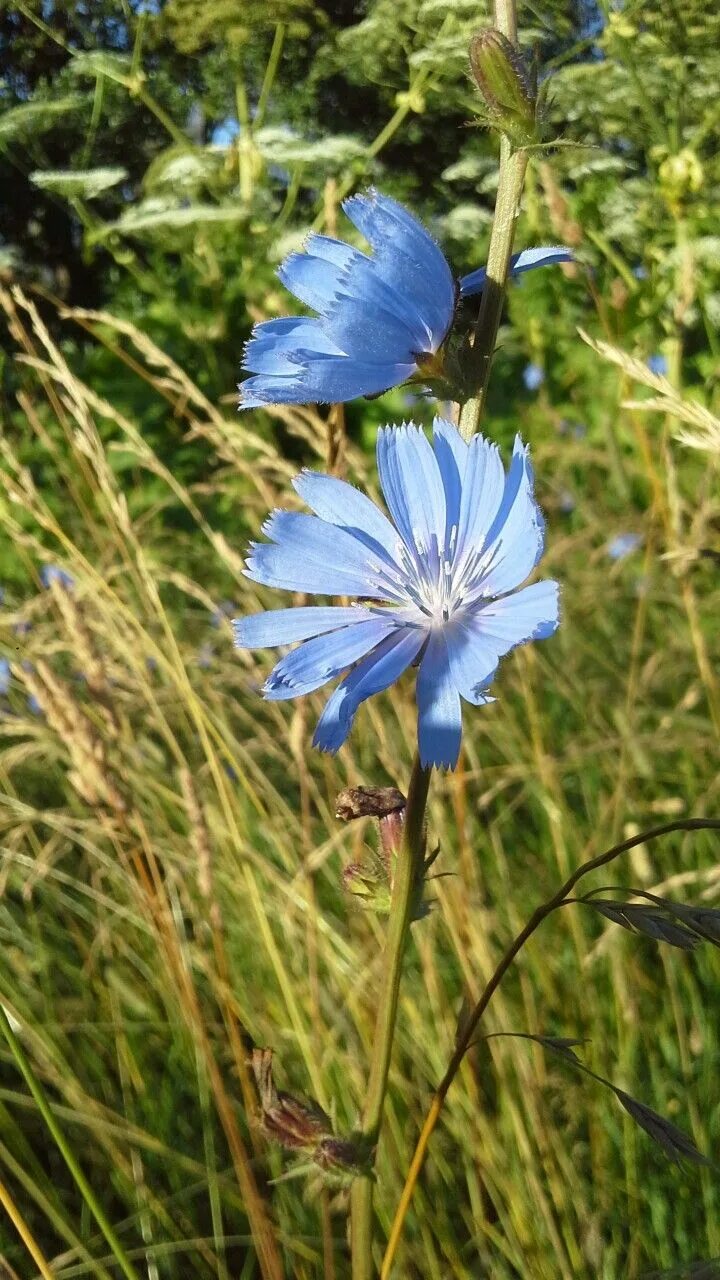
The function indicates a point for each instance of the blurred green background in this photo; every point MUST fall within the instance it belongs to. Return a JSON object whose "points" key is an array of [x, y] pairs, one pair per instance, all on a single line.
{"points": [[171, 873]]}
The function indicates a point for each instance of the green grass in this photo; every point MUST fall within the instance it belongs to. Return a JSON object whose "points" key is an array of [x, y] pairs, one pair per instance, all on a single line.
{"points": [[171, 869]]}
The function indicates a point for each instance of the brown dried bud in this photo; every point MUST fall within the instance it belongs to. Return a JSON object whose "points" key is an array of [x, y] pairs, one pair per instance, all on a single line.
{"points": [[296, 1123], [342, 1159], [368, 802]]}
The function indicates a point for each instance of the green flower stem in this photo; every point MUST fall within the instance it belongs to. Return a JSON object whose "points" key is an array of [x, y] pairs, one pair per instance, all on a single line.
{"points": [[408, 873], [81, 1181], [271, 71], [510, 184]]}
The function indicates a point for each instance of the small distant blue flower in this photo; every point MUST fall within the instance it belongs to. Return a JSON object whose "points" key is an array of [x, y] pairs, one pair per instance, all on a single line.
{"points": [[438, 582], [640, 272], [4, 675], [205, 655], [658, 364], [623, 545], [33, 705], [22, 628], [381, 318], [225, 610], [533, 376], [55, 573]]}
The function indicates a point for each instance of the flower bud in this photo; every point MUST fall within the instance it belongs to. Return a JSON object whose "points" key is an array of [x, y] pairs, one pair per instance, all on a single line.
{"points": [[508, 89], [342, 1159], [370, 883], [296, 1123]]}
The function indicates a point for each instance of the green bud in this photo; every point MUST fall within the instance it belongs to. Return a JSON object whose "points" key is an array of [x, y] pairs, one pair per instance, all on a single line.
{"points": [[370, 884], [509, 90]]}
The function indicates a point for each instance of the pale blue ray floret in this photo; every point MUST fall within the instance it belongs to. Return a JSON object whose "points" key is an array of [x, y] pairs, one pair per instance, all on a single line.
{"points": [[438, 582], [381, 317]]}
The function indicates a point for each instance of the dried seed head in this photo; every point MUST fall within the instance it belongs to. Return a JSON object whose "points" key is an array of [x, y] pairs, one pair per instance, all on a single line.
{"points": [[368, 802]]}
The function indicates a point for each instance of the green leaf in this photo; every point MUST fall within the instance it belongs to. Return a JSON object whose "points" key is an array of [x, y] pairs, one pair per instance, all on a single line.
{"points": [[87, 183]]}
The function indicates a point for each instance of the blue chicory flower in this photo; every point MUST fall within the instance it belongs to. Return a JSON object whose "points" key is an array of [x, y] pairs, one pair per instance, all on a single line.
{"points": [[623, 545], [658, 364], [437, 583], [533, 377], [55, 573], [381, 318], [4, 676]]}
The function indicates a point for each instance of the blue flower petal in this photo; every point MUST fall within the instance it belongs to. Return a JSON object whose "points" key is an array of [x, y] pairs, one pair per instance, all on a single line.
{"points": [[439, 713], [530, 614], [407, 258], [482, 494], [315, 275], [323, 379], [515, 541], [322, 658], [451, 452], [286, 626], [342, 504], [373, 674], [473, 659], [274, 345], [318, 557], [544, 256], [371, 322], [412, 485]]}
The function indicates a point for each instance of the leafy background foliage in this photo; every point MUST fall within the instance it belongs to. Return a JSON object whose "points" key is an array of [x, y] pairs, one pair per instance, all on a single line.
{"points": [[161, 160]]}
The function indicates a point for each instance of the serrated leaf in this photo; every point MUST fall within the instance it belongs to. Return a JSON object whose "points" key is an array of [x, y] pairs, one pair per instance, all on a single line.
{"points": [[182, 171], [281, 146], [676, 1144], [158, 214], [87, 183], [34, 117], [98, 62]]}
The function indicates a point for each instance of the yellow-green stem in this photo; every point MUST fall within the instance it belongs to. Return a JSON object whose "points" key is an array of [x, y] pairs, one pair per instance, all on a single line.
{"points": [[408, 872], [510, 184]]}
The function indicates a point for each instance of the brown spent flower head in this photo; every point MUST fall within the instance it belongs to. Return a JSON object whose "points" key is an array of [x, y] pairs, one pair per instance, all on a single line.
{"points": [[368, 802], [296, 1123]]}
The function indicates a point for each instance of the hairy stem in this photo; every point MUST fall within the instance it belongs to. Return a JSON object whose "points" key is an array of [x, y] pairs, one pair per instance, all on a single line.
{"points": [[510, 183], [513, 165], [469, 1027], [408, 872]]}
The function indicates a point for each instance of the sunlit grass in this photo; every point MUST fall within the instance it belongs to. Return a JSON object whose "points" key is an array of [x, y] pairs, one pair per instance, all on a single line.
{"points": [[172, 864]]}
